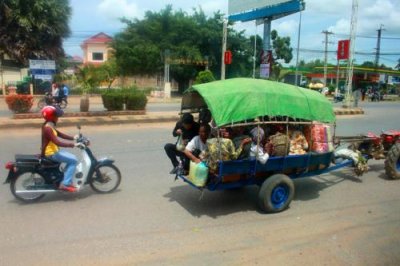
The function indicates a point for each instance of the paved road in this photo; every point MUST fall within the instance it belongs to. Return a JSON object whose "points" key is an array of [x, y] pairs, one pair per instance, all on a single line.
{"points": [[334, 219]]}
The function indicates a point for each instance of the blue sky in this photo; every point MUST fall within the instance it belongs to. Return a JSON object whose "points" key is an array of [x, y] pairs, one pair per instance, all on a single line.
{"points": [[92, 16]]}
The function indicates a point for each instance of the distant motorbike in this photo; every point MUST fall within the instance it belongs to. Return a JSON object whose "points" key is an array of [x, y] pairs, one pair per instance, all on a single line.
{"points": [[375, 97], [49, 99], [338, 98], [31, 177]]}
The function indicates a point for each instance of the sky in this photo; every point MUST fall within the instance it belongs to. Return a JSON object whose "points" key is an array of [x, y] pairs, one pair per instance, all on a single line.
{"points": [[90, 17]]}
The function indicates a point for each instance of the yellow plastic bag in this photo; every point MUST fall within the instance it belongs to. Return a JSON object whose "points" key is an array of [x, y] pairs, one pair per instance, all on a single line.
{"points": [[198, 174]]}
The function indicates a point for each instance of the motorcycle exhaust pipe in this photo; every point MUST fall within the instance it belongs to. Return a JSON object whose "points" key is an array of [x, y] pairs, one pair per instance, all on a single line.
{"points": [[36, 191]]}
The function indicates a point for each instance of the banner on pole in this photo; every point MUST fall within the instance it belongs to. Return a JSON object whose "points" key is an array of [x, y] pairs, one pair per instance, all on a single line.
{"points": [[343, 50], [265, 70]]}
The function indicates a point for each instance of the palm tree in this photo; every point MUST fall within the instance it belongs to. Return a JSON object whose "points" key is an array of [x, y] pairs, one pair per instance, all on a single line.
{"points": [[33, 29], [89, 78]]}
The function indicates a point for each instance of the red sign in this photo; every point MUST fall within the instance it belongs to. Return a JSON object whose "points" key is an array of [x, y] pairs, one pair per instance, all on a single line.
{"points": [[228, 57], [266, 57], [343, 49]]}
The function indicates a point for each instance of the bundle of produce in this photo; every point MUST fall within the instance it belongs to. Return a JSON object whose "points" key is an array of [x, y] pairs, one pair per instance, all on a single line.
{"points": [[319, 137]]}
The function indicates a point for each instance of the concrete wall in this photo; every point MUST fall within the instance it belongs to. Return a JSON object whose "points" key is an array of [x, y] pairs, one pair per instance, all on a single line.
{"points": [[143, 81], [12, 75], [95, 48]]}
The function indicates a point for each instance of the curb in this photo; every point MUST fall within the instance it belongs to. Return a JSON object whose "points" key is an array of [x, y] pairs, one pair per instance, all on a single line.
{"points": [[358, 111], [100, 121], [116, 118], [83, 114]]}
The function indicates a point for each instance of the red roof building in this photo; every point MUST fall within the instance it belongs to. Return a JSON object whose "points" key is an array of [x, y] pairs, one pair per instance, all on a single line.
{"points": [[96, 49]]}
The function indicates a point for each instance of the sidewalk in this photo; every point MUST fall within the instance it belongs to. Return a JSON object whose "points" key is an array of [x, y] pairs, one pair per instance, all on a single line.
{"points": [[113, 118], [34, 120]]}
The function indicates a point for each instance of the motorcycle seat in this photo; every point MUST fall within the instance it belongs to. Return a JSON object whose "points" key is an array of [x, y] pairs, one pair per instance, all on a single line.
{"points": [[27, 158], [48, 161], [35, 159]]}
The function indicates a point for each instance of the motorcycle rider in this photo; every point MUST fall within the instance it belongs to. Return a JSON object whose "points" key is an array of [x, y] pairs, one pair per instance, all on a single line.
{"points": [[51, 144]]}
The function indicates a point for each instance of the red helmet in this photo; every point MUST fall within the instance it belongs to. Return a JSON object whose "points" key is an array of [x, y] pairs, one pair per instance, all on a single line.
{"points": [[51, 113]]}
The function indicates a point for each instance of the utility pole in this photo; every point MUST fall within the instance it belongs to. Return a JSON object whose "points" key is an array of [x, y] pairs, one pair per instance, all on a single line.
{"points": [[167, 83], [224, 40], [255, 53], [296, 79], [353, 29], [327, 33], [378, 46]]}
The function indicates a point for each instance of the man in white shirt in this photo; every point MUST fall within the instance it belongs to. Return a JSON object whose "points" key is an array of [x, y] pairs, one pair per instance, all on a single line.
{"points": [[198, 144]]}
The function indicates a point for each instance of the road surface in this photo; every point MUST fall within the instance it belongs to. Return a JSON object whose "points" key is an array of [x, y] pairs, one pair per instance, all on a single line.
{"points": [[334, 219]]}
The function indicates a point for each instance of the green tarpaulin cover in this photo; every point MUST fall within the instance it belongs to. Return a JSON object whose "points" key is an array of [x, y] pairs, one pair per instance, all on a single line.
{"points": [[240, 99]]}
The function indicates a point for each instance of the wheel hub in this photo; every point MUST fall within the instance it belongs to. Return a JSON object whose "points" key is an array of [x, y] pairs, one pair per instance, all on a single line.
{"points": [[279, 195]]}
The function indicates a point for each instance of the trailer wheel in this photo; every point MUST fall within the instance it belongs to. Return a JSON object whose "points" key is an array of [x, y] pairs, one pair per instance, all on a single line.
{"points": [[392, 162], [276, 193]]}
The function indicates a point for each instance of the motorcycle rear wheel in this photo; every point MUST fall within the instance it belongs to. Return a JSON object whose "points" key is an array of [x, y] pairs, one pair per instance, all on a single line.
{"points": [[106, 179], [41, 103], [63, 104], [25, 182]]}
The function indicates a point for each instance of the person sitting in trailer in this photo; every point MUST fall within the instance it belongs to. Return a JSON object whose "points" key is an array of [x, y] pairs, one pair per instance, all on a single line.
{"points": [[279, 140], [197, 145], [187, 129], [238, 135], [257, 151], [222, 149]]}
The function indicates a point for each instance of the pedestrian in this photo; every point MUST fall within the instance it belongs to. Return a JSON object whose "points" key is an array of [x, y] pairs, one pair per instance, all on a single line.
{"points": [[363, 92], [185, 129], [356, 96]]}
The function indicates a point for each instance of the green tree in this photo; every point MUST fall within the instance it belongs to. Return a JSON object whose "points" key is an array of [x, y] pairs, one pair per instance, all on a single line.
{"points": [[281, 46], [33, 29], [89, 77], [282, 52], [204, 77], [141, 47], [368, 64], [109, 71]]}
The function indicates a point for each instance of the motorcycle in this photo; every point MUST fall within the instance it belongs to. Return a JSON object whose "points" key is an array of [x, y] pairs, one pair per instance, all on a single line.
{"points": [[31, 177], [48, 99], [375, 97], [338, 98]]}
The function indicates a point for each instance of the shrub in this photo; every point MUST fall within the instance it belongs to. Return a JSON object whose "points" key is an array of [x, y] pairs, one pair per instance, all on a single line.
{"points": [[19, 103], [23, 88], [113, 101], [136, 101]]}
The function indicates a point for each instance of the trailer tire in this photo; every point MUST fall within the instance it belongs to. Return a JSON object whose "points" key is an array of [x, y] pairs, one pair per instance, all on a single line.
{"points": [[392, 162], [276, 193]]}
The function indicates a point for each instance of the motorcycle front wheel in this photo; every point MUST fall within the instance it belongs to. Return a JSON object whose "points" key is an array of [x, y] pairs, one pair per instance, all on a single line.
{"points": [[106, 179], [23, 186]]}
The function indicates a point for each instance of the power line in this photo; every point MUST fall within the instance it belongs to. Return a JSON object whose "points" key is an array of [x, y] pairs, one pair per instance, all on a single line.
{"points": [[367, 37]]}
